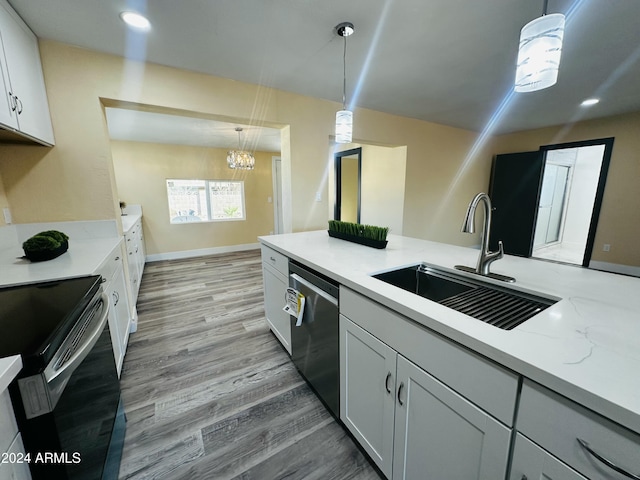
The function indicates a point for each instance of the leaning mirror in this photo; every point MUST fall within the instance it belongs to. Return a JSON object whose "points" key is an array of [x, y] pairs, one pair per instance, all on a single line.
{"points": [[348, 173]]}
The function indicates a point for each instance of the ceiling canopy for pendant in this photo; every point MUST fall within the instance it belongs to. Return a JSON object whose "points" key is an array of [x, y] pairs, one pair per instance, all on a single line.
{"points": [[240, 159]]}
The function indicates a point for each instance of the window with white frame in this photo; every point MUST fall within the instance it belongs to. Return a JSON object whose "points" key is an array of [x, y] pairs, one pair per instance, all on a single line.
{"points": [[205, 200]]}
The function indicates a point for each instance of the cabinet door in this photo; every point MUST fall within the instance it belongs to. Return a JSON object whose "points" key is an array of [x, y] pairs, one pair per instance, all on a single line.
{"points": [[275, 289], [25, 73], [367, 391], [8, 117], [530, 462], [12, 466], [439, 434]]}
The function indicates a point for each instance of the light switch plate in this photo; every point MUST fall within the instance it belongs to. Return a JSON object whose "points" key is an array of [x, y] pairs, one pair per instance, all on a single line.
{"points": [[7, 215]]}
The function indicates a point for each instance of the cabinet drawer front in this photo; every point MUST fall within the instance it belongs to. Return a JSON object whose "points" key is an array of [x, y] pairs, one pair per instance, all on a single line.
{"points": [[556, 424], [485, 383], [110, 264], [533, 463], [275, 259]]}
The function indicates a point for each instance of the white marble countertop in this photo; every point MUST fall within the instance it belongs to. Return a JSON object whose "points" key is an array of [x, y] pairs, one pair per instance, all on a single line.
{"points": [[586, 347], [83, 258], [128, 221]]}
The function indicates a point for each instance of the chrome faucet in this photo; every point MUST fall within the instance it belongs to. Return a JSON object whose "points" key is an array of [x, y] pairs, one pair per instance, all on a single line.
{"points": [[486, 257]]}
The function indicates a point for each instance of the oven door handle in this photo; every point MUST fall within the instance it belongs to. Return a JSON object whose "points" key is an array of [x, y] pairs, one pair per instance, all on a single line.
{"points": [[57, 378]]}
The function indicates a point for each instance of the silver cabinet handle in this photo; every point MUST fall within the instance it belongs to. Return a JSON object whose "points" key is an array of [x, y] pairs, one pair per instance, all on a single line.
{"points": [[606, 461], [117, 258], [272, 259], [19, 104], [399, 392], [386, 383]]}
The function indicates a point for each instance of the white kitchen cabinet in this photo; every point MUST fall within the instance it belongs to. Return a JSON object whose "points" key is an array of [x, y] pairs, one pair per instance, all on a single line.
{"points": [[367, 392], [24, 107], [275, 270], [12, 464], [530, 462], [411, 424], [439, 434], [115, 287], [567, 431], [134, 241]]}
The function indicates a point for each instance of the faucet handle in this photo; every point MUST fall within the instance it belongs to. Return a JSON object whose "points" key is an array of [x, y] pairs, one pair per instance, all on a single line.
{"points": [[500, 249]]}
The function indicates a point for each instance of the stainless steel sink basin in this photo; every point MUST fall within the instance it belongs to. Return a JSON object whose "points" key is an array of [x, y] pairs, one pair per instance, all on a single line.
{"points": [[502, 307]]}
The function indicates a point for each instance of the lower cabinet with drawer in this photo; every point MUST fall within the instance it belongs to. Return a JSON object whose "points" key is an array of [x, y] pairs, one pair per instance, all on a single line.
{"points": [[115, 287], [565, 441], [275, 274], [412, 424]]}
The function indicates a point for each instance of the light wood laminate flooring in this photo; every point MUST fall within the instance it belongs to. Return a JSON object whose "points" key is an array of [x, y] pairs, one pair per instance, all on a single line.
{"points": [[209, 392]]}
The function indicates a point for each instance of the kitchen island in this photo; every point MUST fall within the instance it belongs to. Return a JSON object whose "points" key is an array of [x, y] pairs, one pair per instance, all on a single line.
{"points": [[585, 347]]}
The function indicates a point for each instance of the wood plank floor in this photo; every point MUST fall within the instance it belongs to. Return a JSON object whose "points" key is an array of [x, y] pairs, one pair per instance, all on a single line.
{"points": [[210, 393]]}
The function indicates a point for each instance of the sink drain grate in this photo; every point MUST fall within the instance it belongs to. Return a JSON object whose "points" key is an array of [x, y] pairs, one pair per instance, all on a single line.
{"points": [[495, 307]]}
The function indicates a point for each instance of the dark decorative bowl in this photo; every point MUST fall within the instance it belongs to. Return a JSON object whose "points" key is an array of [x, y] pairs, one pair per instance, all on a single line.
{"points": [[380, 244], [43, 255]]}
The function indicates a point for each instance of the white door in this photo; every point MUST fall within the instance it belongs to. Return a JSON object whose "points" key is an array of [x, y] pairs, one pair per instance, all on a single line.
{"points": [[275, 288], [441, 435], [530, 462], [367, 391]]}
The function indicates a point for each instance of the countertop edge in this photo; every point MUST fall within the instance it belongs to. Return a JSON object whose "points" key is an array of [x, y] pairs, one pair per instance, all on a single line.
{"points": [[9, 369]]}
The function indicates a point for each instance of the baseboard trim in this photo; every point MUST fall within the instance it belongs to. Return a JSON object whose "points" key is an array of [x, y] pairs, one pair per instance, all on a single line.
{"points": [[156, 257], [615, 268]]}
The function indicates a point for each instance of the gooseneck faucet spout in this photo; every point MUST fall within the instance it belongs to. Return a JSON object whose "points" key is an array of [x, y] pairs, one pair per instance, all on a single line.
{"points": [[486, 257]]}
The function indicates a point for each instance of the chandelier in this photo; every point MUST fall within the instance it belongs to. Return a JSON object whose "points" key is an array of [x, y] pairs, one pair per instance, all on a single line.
{"points": [[240, 159]]}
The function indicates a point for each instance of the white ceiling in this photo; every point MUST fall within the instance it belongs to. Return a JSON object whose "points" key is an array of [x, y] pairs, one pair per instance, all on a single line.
{"points": [[141, 126], [446, 61]]}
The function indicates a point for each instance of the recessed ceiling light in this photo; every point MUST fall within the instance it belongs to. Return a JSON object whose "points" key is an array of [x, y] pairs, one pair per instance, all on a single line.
{"points": [[135, 20], [589, 102]]}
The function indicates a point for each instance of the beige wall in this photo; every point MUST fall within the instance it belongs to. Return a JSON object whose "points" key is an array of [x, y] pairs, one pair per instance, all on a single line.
{"points": [[3, 202], [75, 179], [141, 171], [620, 214], [383, 186]]}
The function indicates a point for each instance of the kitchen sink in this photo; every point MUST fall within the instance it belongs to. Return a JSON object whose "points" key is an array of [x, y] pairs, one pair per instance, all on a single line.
{"points": [[499, 306]]}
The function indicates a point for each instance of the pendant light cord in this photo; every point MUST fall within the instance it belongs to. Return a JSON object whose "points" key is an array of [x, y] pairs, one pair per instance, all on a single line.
{"points": [[344, 75]]}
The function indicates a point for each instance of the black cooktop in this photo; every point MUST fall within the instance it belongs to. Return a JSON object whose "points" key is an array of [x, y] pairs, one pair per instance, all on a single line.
{"points": [[35, 318]]}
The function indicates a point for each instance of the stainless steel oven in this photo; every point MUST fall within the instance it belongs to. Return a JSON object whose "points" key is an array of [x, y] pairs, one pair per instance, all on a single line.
{"points": [[315, 346], [67, 397]]}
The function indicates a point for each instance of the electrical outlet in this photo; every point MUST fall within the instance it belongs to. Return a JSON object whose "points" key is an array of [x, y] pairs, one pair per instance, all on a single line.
{"points": [[606, 247], [7, 215], [318, 197], [269, 200]]}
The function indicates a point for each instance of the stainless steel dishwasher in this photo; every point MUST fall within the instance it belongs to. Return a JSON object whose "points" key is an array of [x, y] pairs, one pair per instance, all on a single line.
{"points": [[315, 343]]}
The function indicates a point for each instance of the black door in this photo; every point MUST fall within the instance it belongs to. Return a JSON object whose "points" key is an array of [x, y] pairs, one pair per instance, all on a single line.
{"points": [[514, 190]]}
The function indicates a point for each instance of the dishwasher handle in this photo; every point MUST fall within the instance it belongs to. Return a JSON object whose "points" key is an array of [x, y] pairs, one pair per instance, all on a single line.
{"points": [[297, 278]]}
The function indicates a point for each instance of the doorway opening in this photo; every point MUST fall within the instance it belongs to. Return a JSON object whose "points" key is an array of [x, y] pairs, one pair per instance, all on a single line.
{"points": [[546, 203]]}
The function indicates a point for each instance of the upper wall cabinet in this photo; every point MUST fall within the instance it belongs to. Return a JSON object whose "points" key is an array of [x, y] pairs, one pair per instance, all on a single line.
{"points": [[23, 106]]}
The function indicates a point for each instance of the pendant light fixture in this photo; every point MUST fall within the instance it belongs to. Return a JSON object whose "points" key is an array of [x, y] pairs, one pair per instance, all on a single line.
{"points": [[240, 159], [539, 52], [344, 117]]}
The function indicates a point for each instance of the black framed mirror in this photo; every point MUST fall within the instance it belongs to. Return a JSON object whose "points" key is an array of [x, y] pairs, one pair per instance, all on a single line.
{"points": [[348, 175]]}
